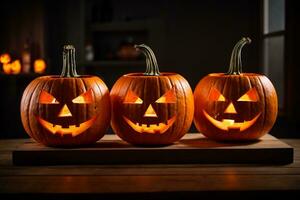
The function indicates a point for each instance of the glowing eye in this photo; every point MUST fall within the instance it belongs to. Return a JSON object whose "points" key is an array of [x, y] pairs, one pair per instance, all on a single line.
{"points": [[251, 95], [46, 98], [84, 98], [168, 97], [132, 98], [215, 95]]}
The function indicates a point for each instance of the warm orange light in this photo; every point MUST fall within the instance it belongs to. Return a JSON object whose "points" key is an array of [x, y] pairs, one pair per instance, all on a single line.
{"points": [[72, 129], [251, 95], [46, 98], [150, 112], [86, 97], [168, 97], [132, 98], [230, 109], [227, 124], [65, 112], [5, 58], [16, 67], [12, 68], [215, 95], [6, 68], [39, 66], [150, 128]]}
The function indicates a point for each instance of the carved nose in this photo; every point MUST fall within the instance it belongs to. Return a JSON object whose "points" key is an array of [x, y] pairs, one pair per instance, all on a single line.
{"points": [[65, 112], [230, 109], [150, 112]]}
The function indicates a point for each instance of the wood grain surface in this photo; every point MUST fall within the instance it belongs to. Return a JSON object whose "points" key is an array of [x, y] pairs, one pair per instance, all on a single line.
{"points": [[146, 181], [192, 149]]}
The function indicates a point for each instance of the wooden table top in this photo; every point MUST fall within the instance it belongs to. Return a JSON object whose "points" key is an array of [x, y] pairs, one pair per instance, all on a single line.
{"points": [[146, 180]]}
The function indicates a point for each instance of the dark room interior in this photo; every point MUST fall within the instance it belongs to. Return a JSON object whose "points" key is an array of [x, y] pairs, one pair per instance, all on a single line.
{"points": [[191, 38]]}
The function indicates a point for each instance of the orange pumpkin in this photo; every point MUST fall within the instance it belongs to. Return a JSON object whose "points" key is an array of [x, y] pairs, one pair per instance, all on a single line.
{"points": [[66, 110], [235, 105], [151, 108]]}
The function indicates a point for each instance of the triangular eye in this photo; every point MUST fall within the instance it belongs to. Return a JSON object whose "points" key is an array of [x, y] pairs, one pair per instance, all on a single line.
{"points": [[251, 95], [168, 97], [215, 95], [46, 98], [132, 98], [84, 98]]}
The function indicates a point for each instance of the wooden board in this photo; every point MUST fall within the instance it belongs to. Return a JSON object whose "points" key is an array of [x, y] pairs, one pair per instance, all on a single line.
{"points": [[192, 149]]}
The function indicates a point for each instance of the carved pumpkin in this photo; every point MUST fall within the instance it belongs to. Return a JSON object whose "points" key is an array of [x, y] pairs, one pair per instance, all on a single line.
{"points": [[68, 109], [151, 108], [235, 105]]}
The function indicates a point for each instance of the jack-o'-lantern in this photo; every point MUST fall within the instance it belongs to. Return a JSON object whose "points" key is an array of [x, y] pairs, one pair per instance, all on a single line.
{"points": [[235, 105], [151, 108], [66, 110]]}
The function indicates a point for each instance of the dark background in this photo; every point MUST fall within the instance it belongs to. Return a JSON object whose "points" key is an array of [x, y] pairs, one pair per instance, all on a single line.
{"points": [[193, 38]]}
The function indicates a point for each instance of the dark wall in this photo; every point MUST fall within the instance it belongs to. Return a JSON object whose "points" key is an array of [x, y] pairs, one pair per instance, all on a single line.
{"points": [[292, 64], [196, 37], [201, 36], [21, 22], [64, 24]]}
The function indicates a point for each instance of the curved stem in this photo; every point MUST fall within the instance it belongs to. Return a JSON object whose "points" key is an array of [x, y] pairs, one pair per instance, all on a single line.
{"points": [[151, 62], [235, 66], [69, 64]]}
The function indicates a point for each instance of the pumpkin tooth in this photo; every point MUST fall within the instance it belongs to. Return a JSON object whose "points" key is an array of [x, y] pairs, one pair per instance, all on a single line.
{"points": [[227, 124], [71, 129], [150, 128]]}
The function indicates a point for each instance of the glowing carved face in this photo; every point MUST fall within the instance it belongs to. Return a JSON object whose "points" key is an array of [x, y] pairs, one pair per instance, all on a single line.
{"points": [[227, 124], [150, 116], [66, 114]]}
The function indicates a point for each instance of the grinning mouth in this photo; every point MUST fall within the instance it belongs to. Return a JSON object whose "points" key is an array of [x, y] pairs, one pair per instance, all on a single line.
{"points": [[227, 124], [151, 128], [72, 129]]}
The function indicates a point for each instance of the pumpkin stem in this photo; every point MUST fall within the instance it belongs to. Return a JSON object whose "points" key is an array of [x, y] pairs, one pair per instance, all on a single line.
{"points": [[151, 63], [69, 64], [235, 67]]}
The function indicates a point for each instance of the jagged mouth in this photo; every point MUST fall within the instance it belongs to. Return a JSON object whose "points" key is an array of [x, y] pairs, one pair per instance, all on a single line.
{"points": [[72, 129], [227, 124], [159, 128]]}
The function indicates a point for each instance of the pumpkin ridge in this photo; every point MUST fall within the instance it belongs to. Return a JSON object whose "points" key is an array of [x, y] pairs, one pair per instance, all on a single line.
{"points": [[172, 86], [265, 104], [162, 82], [185, 107], [30, 101], [45, 82], [51, 84], [127, 89], [28, 95], [250, 106], [85, 89], [222, 83]]}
